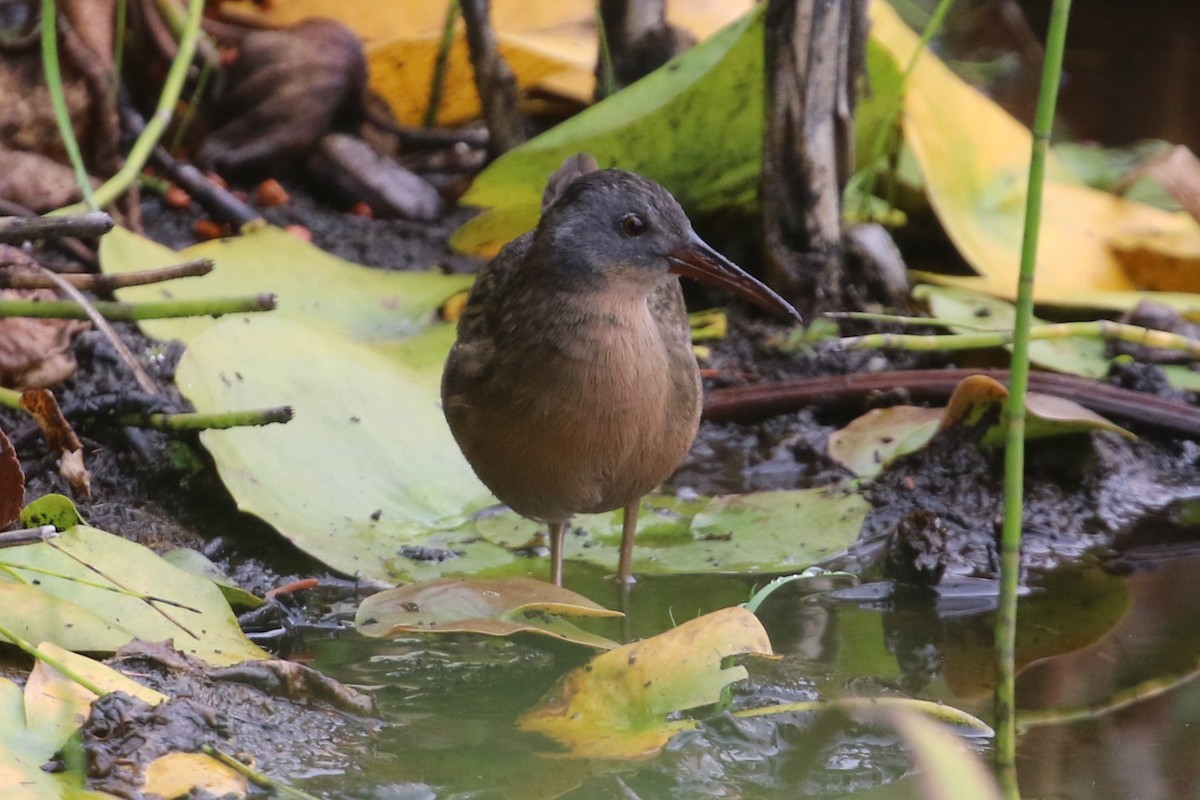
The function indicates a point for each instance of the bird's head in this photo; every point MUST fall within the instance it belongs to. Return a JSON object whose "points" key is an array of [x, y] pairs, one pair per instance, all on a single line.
{"points": [[611, 225]]}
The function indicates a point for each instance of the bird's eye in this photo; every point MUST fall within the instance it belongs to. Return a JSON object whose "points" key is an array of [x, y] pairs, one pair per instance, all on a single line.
{"points": [[633, 225]]}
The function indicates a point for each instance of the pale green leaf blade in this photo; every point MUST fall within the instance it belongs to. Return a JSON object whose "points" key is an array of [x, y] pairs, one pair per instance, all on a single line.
{"points": [[197, 616], [366, 467], [771, 532], [310, 285]]}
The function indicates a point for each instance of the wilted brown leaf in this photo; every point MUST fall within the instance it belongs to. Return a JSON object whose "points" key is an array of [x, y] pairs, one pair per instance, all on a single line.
{"points": [[12, 483], [35, 353], [60, 437], [286, 90]]}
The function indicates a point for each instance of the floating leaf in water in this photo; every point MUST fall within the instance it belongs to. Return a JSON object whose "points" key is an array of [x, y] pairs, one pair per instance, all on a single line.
{"points": [[618, 704], [495, 608]]}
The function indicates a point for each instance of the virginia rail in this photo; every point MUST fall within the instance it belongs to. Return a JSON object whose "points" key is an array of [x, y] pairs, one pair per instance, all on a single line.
{"points": [[573, 387]]}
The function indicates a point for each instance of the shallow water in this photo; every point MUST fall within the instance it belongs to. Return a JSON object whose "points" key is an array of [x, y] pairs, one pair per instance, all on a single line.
{"points": [[1085, 634]]}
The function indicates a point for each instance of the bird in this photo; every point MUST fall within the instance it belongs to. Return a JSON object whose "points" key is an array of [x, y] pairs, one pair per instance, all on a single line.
{"points": [[573, 387]]}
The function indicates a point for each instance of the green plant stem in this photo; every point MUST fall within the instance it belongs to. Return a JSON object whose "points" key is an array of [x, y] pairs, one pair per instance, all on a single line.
{"points": [[181, 423], [58, 101], [15, 570], [66, 671], [135, 312], [1118, 701], [965, 723], [254, 776], [1014, 454], [1094, 329], [115, 186], [437, 83]]}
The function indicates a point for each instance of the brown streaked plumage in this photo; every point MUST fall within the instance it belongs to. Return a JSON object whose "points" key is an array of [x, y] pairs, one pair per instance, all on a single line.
{"points": [[572, 387]]}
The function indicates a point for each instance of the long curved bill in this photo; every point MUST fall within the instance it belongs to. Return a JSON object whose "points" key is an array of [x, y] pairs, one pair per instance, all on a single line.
{"points": [[697, 260]]}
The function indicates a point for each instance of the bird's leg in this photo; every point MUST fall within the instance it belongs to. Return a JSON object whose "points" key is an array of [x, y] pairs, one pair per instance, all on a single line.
{"points": [[558, 531], [628, 529]]}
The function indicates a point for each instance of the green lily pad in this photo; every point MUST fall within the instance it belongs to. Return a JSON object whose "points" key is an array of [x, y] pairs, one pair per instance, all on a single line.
{"points": [[695, 126], [63, 592], [493, 608], [770, 532]]}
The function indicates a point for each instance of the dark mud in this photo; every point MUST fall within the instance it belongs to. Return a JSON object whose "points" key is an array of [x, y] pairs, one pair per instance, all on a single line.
{"points": [[294, 721]]}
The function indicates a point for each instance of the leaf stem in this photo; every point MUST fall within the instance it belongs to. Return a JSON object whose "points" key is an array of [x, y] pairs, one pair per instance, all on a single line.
{"points": [[182, 423], [115, 186], [135, 312], [66, 671], [58, 101]]}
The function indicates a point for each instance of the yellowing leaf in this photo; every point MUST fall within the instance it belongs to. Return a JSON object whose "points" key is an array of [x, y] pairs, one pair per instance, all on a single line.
{"points": [[95, 592], [1161, 260], [401, 72], [617, 705], [974, 158], [868, 444], [177, 774], [549, 44]]}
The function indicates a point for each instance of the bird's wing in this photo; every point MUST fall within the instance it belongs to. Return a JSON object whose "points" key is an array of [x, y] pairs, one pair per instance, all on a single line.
{"points": [[483, 315]]}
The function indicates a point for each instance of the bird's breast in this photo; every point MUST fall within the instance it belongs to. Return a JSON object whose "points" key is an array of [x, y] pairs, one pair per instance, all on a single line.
{"points": [[594, 414]]}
